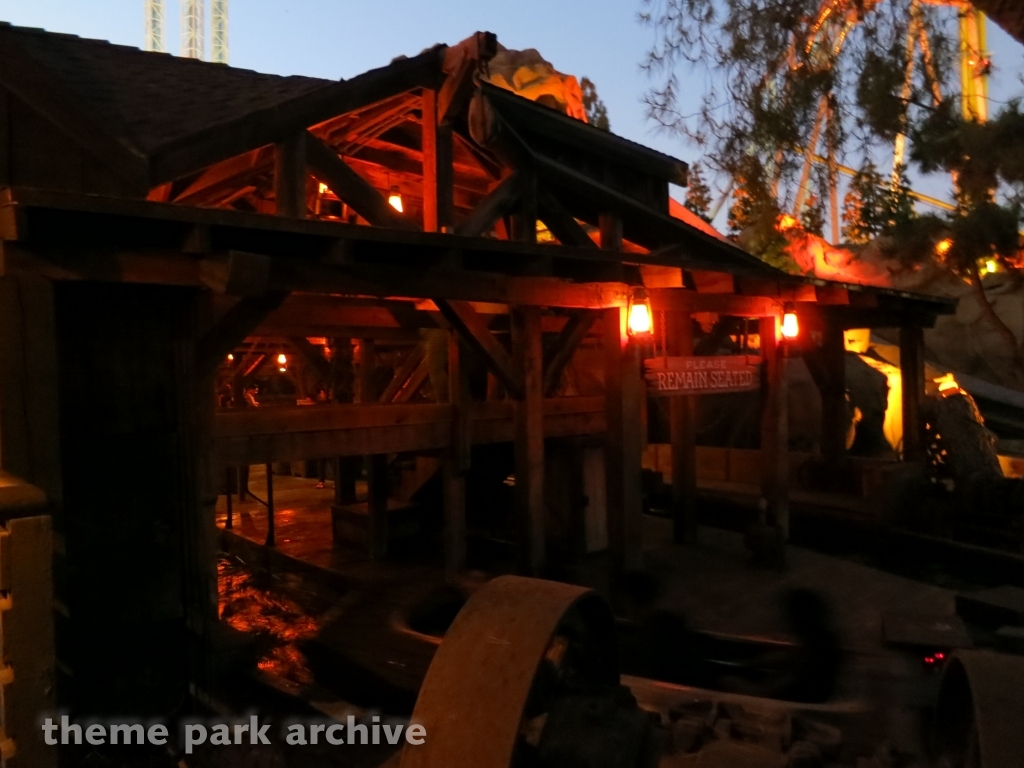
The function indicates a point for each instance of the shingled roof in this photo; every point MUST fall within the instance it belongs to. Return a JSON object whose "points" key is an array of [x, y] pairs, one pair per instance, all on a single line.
{"points": [[149, 105], [150, 99]]}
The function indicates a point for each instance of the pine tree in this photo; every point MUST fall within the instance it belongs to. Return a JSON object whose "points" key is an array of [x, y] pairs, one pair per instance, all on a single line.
{"points": [[812, 218], [864, 205], [597, 112], [698, 194]]}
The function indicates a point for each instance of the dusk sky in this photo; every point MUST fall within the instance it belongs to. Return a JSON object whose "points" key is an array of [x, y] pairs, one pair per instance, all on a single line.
{"points": [[601, 39]]}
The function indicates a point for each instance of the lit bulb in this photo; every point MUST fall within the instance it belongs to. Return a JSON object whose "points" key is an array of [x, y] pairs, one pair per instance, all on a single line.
{"points": [[942, 247], [990, 266], [323, 188], [230, 357], [639, 319], [790, 326], [395, 199], [282, 359]]}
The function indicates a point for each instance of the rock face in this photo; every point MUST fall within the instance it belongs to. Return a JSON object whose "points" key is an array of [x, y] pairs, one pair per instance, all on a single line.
{"points": [[528, 74], [966, 342]]}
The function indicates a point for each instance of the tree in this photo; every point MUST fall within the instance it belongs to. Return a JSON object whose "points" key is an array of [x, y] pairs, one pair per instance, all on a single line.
{"points": [[754, 215], [874, 206], [792, 77], [698, 194], [597, 113]]}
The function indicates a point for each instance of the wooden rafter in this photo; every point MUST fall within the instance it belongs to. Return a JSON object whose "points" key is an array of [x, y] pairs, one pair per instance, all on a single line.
{"points": [[267, 126], [564, 347], [496, 204], [240, 321], [351, 187], [478, 337], [402, 374]]}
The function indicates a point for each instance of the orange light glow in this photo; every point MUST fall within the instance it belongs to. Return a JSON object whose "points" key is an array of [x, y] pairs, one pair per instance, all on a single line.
{"points": [[640, 322], [790, 326], [947, 383], [230, 357], [395, 200], [786, 222], [942, 247], [282, 359]]}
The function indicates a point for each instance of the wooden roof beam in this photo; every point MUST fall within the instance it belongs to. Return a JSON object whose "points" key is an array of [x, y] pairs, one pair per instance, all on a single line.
{"points": [[270, 125], [499, 202], [351, 187]]}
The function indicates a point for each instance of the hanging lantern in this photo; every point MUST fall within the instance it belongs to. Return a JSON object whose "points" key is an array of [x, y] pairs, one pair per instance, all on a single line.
{"points": [[790, 324], [640, 319], [395, 199]]}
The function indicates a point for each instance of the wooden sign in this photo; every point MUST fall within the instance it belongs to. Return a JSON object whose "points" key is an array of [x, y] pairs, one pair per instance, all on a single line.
{"points": [[702, 375]]}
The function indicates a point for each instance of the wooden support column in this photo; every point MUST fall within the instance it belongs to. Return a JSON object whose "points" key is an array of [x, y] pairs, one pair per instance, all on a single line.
{"points": [[529, 439], [683, 436], [290, 176], [623, 391], [271, 540], [147, 537], [346, 468], [376, 465], [456, 463], [438, 170], [912, 373], [524, 220], [774, 427], [833, 394]]}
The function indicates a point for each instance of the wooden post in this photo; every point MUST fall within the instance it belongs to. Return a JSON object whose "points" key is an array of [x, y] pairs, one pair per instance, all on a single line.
{"points": [[623, 390], [290, 176], [684, 438], [529, 439], [456, 463], [833, 394], [229, 523], [524, 221], [912, 373], [438, 179], [376, 465], [127, 545], [775, 426], [377, 506], [270, 505], [346, 468]]}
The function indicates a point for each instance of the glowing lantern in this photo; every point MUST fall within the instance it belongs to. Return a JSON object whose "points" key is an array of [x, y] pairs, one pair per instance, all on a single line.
{"points": [[942, 247], [395, 199], [790, 325], [640, 320]]}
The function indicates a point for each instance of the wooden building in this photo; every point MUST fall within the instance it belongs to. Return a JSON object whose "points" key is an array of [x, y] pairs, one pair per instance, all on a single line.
{"points": [[158, 214]]}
